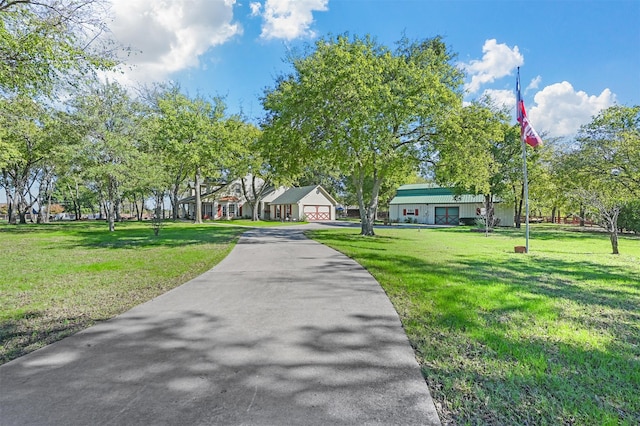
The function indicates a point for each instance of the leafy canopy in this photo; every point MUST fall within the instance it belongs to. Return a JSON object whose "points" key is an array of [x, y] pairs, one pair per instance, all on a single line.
{"points": [[49, 42], [358, 109]]}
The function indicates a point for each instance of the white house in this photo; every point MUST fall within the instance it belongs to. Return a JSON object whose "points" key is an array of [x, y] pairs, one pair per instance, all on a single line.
{"points": [[263, 207], [312, 203], [226, 201], [432, 205], [219, 201]]}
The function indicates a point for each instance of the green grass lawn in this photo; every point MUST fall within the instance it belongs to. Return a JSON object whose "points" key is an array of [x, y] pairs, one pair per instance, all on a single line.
{"points": [[57, 279], [552, 337]]}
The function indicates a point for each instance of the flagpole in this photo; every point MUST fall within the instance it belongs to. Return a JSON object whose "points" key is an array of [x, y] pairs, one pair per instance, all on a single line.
{"points": [[524, 167], [526, 195]]}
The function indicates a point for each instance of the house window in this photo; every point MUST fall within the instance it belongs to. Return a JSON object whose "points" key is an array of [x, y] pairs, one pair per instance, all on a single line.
{"points": [[232, 209]]}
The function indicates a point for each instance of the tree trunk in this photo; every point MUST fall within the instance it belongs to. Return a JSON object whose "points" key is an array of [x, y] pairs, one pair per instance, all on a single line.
{"points": [[488, 207], [253, 199], [613, 236], [118, 209], [255, 211], [175, 192], [74, 196], [254, 195], [198, 218], [137, 209], [44, 194], [553, 214], [12, 196], [11, 215], [613, 228], [257, 196], [111, 206], [174, 202], [21, 203], [367, 211], [49, 206], [582, 215]]}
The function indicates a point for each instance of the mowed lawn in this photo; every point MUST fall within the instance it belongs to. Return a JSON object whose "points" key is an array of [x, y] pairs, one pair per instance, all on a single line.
{"points": [[57, 279], [552, 337]]}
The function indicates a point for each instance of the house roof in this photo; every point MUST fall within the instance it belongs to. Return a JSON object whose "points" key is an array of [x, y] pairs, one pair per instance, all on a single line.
{"points": [[203, 197], [432, 194], [437, 199], [229, 198], [294, 195]]}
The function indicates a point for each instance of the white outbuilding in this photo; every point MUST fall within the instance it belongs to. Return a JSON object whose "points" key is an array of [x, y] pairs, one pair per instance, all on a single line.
{"points": [[312, 203], [434, 205]]}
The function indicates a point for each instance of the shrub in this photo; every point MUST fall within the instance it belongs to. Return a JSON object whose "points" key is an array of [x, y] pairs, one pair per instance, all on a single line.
{"points": [[629, 218], [156, 222], [468, 221]]}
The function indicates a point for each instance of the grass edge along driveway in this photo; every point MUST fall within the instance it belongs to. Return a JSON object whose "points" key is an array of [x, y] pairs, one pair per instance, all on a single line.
{"points": [[552, 337], [57, 279]]}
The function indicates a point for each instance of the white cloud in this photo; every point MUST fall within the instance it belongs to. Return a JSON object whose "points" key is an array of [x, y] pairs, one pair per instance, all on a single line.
{"points": [[166, 36], [498, 60], [289, 19], [560, 110], [255, 8], [535, 83], [502, 98]]}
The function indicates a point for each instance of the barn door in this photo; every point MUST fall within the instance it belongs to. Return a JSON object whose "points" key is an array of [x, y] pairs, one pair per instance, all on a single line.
{"points": [[447, 215]]}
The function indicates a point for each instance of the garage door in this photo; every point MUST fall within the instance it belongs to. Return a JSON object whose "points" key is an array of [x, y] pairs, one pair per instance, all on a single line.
{"points": [[317, 213], [447, 215]]}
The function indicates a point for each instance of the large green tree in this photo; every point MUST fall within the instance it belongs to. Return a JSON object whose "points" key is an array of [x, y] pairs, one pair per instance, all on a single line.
{"points": [[197, 141], [477, 153], [26, 131], [44, 45], [249, 165], [48, 42], [604, 167], [354, 106], [110, 123]]}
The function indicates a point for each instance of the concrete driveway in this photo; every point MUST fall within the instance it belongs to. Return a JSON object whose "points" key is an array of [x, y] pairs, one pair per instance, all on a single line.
{"points": [[284, 331]]}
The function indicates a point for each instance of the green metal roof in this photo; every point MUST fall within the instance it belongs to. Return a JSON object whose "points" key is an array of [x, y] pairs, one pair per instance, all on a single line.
{"points": [[436, 199], [419, 186], [422, 189], [428, 193]]}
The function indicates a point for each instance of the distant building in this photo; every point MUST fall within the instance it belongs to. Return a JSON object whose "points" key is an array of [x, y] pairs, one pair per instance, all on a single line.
{"points": [[226, 201], [433, 205], [311, 203]]}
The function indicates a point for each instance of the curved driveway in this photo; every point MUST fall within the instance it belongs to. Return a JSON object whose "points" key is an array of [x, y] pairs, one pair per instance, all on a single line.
{"points": [[284, 331]]}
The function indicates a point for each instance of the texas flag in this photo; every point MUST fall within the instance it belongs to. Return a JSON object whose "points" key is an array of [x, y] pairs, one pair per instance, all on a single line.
{"points": [[527, 132]]}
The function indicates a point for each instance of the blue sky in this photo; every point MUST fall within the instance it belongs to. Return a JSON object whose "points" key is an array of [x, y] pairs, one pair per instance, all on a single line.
{"points": [[576, 57]]}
